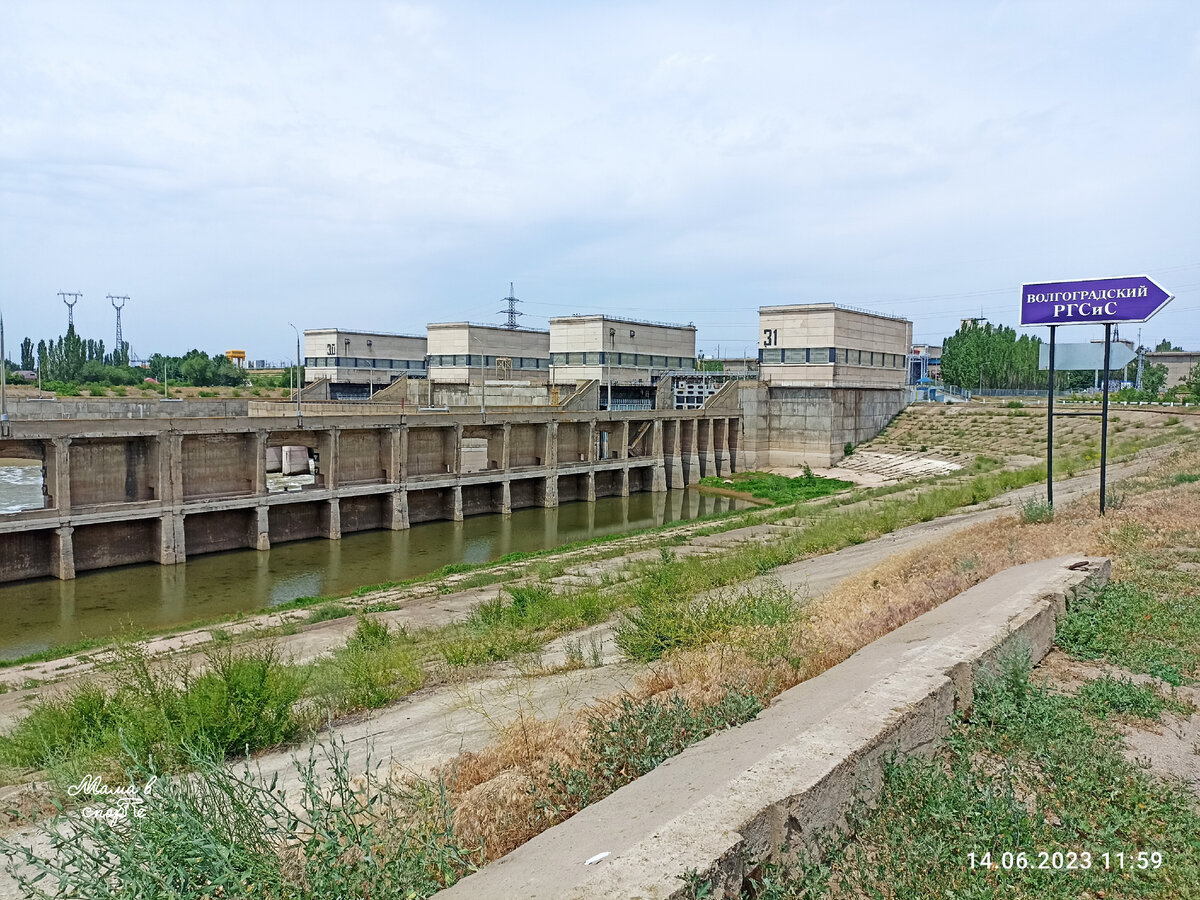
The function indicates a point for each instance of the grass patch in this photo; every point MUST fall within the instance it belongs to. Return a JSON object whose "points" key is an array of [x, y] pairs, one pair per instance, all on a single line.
{"points": [[665, 622], [1120, 696], [1026, 772], [376, 667], [779, 489], [227, 833], [327, 611], [1155, 633], [236, 703], [632, 740]]}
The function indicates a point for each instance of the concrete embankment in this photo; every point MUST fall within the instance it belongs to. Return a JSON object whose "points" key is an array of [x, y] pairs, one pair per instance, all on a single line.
{"points": [[770, 786]]}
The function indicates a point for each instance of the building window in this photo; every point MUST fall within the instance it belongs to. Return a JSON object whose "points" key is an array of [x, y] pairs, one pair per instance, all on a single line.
{"points": [[773, 355]]}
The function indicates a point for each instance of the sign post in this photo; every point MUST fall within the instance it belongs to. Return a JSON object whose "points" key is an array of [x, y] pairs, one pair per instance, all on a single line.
{"points": [[1088, 301]]}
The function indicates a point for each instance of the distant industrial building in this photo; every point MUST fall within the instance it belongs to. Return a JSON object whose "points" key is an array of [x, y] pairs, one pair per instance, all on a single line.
{"points": [[925, 361], [465, 352], [827, 345], [357, 363], [1179, 363]]}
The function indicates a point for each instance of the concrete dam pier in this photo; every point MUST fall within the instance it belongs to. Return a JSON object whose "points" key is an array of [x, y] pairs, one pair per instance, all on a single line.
{"points": [[118, 492]]}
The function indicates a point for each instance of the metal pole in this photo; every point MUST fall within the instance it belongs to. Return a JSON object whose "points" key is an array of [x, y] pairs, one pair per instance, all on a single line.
{"points": [[3, 382], [1050, 425], [299, 384], [1104, 417]]}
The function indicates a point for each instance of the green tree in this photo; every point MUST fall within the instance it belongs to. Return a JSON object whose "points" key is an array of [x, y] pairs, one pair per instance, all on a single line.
{"points": [[27, 358], [1154, 377], [1165, 346], [1192, 382]]}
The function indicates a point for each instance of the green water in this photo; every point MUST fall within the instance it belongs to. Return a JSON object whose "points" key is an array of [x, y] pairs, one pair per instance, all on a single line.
{"points": [[39, 614]]}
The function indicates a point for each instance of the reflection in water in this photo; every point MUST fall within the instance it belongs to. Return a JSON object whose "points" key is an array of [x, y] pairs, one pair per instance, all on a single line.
{"points": [[46, 612]]}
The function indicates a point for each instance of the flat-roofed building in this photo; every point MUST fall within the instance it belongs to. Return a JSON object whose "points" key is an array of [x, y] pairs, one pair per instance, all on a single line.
{"points": [[621, 350], [356, 363], [462, 352], [1179, 364], [827, 345]]}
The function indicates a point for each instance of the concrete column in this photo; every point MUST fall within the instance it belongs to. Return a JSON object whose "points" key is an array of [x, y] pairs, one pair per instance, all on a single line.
{"points": [[591, 440], [720, 445], [505, 498], [708, 459], [506, 449], [397, 454], [328, 448], [550, 492], [263, 539], [260, 462], [691, 464], [60, 469], [551, 459], [457, 466], [335, 520], [591, 486], [398, 520], [172, 548], [171, 469], [624, 448], [457, 493], [658, 482], [624, 492], [732, 427], [62, 553], [674, 458]]}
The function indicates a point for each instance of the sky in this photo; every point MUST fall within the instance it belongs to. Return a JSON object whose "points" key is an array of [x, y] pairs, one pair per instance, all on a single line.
{"points": [[234, 167]]}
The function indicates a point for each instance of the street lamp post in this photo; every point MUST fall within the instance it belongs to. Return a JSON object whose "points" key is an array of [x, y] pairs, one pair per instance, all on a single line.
{"points": [[3, 382], [299, 382]]}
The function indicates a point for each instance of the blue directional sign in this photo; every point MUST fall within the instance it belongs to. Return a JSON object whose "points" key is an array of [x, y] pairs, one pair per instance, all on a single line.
{"points": [[1133, 298]]}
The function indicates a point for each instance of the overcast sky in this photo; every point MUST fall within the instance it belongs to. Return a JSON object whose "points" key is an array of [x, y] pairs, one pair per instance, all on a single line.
{"points": [[233, 166]]}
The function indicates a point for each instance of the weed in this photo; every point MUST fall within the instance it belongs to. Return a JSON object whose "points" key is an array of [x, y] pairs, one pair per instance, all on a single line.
{"points": [[1156, 633], [1028, 772], [234, 703], [634, 739], [374, 668], [665, 622], [327, 611], [228, 833], [1121, 696], [1036, 512]]}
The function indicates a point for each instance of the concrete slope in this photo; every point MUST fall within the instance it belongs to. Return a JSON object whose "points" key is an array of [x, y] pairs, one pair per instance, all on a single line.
{"points": [[748, 792]]}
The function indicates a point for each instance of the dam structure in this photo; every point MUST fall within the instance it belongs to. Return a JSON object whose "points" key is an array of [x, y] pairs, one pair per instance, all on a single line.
{"points": [[123, 491]]}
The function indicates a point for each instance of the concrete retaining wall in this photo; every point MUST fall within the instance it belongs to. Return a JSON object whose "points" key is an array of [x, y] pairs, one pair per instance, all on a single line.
{"points": [[791, 426], [101, 408], [770, 787]]}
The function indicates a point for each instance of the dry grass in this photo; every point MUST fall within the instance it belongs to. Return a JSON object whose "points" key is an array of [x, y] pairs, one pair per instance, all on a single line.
{"points": [[492, 791]]}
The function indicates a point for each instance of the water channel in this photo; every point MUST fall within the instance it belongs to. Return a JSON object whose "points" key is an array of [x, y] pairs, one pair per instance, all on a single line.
{"points": [[45, 612]]}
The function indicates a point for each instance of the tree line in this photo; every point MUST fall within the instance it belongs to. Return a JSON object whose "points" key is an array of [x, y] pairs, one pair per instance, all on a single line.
{"points": [[73, 360], [993, 356]]}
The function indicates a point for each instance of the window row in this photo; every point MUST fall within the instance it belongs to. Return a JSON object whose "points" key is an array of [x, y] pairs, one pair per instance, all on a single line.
{"points": [[633, 360], [524, 363], [826, 355], [359, 362]]}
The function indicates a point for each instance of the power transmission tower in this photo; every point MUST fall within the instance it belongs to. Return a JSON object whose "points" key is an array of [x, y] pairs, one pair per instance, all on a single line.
{"points": [[120, 348], [511, 310], [70, 304]]}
